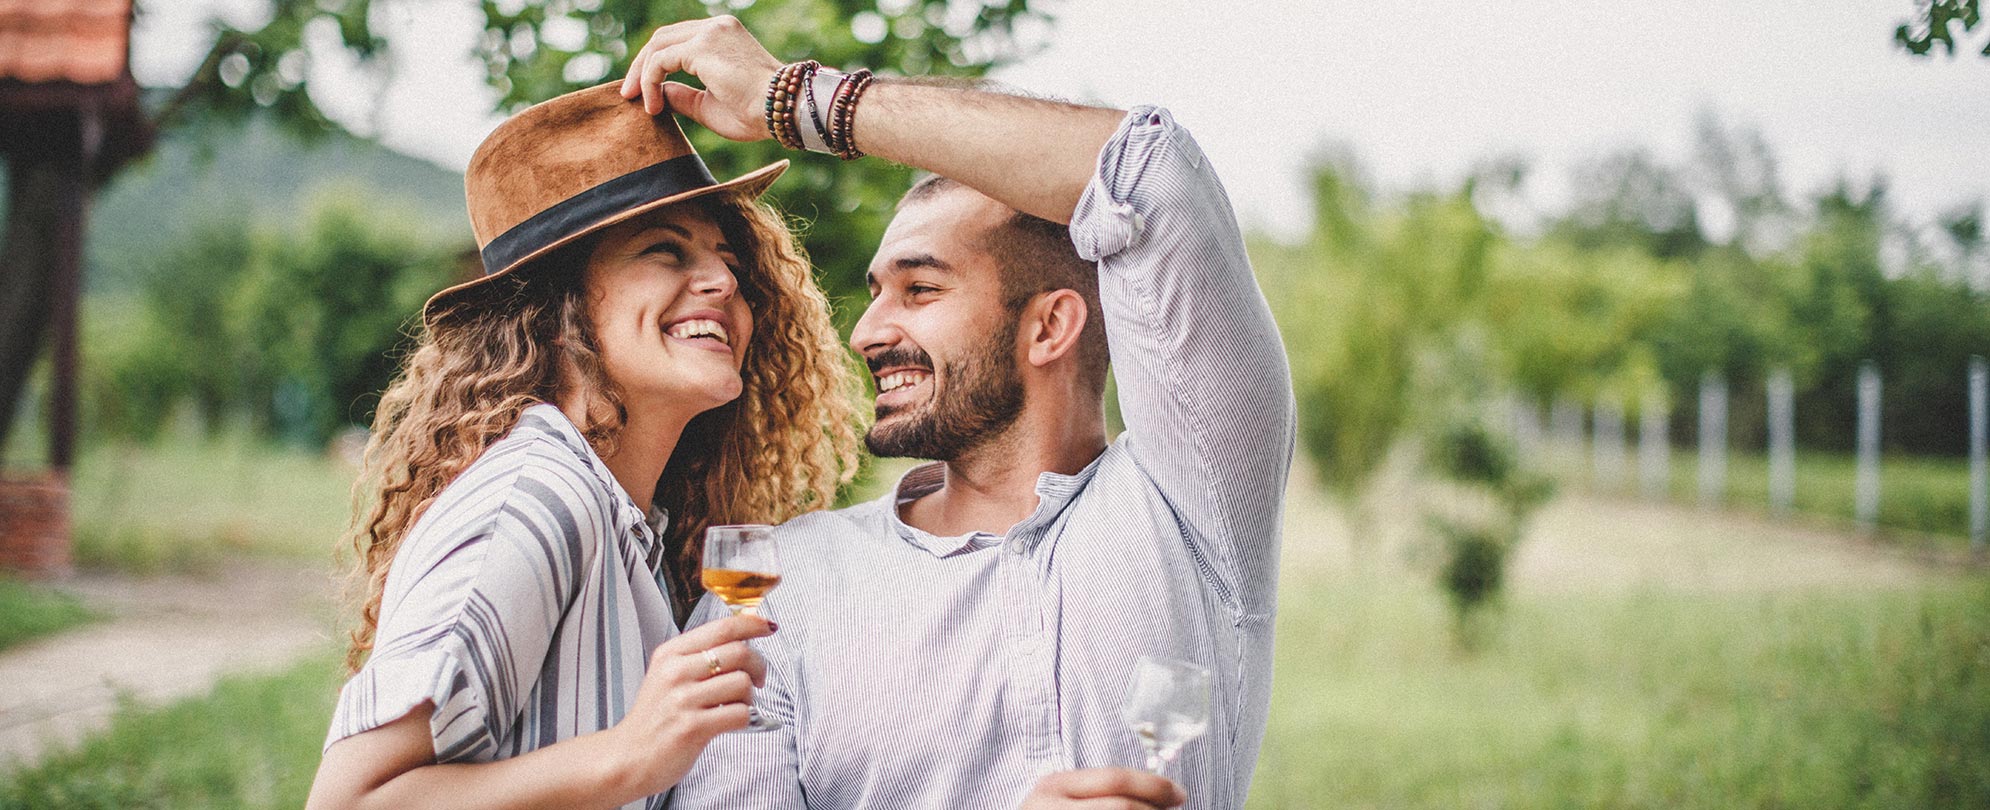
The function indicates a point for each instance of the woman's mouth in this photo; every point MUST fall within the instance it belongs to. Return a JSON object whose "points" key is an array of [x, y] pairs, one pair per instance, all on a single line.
{"points": [[704, 333]]}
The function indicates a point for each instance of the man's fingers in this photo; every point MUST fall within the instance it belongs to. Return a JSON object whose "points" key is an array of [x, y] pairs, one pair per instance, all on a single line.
{"points": [[641, 78], [716, 633], [655, 68], [686, 100], [1100, 783], [677, 32]]}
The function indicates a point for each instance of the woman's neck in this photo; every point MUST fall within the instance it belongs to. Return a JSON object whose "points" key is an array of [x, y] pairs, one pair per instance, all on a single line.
{"points": [[642, 447]]}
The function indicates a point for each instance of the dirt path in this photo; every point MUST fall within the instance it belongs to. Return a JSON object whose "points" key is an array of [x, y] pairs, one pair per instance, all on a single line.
{"points": [[164, 638]]}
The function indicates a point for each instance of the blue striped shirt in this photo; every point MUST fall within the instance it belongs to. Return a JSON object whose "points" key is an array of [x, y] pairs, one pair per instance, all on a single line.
{"points": [[523, 604], [918, 671]]}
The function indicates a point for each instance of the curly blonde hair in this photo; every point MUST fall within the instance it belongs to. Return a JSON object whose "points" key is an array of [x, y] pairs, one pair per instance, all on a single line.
{"points": [[782, 448]]}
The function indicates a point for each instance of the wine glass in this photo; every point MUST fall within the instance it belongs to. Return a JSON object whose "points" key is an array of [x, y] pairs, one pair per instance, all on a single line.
{"points": [[740, 567], [1167, 705]]}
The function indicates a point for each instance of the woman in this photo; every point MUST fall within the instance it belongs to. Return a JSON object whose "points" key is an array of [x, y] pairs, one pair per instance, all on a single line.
{"points": [[646, 336]]}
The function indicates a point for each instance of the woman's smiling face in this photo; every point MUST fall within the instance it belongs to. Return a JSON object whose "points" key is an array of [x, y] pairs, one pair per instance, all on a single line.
{"points": [[668, 313]]}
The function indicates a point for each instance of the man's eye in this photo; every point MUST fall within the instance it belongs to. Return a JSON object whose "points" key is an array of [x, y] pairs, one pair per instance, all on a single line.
{"points": [[921, 289]]}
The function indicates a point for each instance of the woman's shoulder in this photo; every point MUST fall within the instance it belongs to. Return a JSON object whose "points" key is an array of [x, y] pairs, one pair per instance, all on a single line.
{"points": [[535, 474]]}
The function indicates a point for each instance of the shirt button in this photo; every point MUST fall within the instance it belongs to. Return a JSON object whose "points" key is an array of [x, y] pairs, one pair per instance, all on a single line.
{"points": [[1018, 547]]}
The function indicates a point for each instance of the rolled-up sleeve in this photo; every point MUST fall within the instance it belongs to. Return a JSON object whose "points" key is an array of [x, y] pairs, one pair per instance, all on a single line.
{"points": [[469, 615], [1204, 386]]}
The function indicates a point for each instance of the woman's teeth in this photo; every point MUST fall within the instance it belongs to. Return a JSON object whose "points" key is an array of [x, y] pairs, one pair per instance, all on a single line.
{"points": [[901, 379], [700, 328]]}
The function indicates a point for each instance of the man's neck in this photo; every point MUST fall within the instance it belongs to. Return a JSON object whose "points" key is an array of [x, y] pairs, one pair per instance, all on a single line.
{"points": [[993, 487]]}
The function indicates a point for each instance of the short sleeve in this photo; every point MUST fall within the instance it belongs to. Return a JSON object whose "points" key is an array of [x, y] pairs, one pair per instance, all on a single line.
{"points": [[470, 612]]}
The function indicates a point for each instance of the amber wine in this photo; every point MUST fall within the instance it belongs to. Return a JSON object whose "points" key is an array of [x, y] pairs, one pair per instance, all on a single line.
{"points": [[740, 589]]}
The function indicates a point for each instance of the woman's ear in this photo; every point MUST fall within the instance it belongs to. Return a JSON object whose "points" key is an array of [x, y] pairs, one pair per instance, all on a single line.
{"points": [[1052, 324]]}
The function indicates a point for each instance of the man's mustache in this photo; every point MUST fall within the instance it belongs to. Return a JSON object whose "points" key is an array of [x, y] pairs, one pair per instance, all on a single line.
{"points": [[898, 357]]}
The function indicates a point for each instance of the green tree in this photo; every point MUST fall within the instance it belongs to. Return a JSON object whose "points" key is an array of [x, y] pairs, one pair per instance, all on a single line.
{"points": [[322, 312], [289, 327], [1935, 22], [536, 49]]}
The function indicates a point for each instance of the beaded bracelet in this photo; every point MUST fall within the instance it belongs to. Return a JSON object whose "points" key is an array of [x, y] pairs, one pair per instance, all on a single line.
{"points": [[784, 92], [791, 96], [843, 115]]}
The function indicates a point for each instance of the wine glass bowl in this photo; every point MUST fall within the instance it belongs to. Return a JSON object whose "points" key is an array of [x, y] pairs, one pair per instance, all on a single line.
{"points": [[740, 565], [1167, 705]]}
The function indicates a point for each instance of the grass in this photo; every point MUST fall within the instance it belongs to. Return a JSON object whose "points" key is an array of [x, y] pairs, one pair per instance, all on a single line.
{"points": [[251, 743], [185, 502], [1643, 699], [29, 611]]}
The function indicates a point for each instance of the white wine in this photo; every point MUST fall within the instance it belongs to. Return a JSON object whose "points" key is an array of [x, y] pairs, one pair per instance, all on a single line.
{"points": [[740, 589], [1165, 737]]}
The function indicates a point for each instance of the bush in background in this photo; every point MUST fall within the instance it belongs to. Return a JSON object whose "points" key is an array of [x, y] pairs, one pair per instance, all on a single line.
{"points": [[288, 329]]}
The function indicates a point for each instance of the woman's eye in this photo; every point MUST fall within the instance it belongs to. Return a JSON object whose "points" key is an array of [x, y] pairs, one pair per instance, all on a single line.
{"points": [[671, 249]]}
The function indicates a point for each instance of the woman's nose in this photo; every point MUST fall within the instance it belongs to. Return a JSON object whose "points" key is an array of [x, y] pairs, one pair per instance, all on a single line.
{"points": [[715, 278]]}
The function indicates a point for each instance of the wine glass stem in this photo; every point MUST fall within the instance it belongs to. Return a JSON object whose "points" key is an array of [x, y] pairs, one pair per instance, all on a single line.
{"points": [[743, 610]]}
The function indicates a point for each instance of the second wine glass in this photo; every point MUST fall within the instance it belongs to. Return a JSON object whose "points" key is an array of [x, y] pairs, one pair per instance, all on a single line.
{"points": [[1167, 705]]}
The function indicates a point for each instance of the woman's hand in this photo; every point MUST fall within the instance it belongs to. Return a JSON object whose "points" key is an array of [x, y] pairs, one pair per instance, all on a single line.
{"points": [[733, 66], [680, 707], [699, 685]]}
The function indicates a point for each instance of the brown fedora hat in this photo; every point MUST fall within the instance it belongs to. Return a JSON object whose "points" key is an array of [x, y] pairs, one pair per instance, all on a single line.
{"points": [[562, 169]]}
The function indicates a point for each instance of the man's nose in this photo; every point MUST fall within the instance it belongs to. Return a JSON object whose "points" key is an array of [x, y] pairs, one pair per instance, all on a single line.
{"points": [[872, 332]]}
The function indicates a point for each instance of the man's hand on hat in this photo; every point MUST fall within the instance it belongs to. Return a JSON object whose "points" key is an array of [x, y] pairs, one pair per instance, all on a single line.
{"points": [[733, 66]]}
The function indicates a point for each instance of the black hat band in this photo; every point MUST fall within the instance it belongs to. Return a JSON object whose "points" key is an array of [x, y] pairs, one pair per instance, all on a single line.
{"points": [[581, 211]]}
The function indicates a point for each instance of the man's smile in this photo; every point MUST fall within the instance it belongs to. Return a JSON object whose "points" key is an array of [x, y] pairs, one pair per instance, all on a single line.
{"points": [[901, 386]]}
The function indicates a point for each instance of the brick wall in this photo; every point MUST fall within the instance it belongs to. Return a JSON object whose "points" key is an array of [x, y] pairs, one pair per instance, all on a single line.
{"points": [[34, 525]]}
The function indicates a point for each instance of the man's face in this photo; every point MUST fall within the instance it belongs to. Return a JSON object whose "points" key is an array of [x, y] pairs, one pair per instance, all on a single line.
{"points": [[939, 342]]}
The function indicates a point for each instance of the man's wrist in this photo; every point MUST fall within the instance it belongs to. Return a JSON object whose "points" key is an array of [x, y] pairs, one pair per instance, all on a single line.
{"points": [[814, 108]]}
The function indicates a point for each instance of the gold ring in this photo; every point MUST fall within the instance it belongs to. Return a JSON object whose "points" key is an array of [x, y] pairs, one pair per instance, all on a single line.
{"points": [[712, 664]]}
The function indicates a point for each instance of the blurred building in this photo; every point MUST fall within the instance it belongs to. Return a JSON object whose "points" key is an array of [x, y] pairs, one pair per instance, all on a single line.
{"points": [[69, 118]]}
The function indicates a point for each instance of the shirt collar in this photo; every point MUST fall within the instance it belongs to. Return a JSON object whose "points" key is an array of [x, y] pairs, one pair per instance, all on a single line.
{"points": [[644, 525], [1054, 492]]}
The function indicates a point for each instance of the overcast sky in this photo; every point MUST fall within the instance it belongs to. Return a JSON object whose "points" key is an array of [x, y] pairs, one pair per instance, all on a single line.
{"points": [[1263, 84]]}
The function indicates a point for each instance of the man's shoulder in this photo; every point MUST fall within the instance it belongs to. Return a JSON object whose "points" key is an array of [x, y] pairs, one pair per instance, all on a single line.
{"points": [[854, 521]]}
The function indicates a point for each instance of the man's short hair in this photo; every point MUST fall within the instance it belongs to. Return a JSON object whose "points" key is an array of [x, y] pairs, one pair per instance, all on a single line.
{"points": [[1036, 256]]}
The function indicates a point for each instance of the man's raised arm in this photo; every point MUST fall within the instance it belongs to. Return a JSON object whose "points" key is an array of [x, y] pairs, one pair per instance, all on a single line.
{"points": [[979, 138]]}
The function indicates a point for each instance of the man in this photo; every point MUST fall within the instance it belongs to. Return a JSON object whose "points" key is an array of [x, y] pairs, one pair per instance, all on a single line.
{"points": [[966, 641]]}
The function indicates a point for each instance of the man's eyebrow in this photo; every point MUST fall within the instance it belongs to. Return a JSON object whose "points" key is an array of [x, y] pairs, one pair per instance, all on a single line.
{"points": [[911, 261], [921, 260]]}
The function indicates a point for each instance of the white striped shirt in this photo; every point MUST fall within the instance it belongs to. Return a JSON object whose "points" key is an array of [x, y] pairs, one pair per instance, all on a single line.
{"points": [[523, 604], [917, 671]]}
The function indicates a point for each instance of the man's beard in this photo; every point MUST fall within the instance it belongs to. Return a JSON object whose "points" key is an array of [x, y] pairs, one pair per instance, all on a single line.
{"points": [[982, 397]]}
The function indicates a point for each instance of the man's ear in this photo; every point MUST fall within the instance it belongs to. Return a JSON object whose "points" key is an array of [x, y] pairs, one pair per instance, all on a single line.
{"points": [[1052, 324]]}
